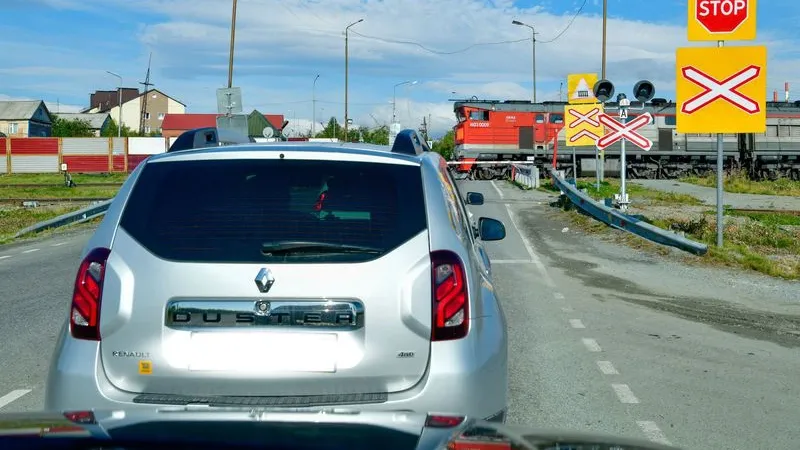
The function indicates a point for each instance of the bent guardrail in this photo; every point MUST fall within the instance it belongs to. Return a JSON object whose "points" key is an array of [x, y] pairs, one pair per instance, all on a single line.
{"points": [[619, 220], [79, 216], [526, 175]]}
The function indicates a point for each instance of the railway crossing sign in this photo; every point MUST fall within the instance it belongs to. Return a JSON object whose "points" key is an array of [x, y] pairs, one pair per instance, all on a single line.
{"points": [[722, 20], [582, 125], [721, 89], [626, 131], [579, 88]]}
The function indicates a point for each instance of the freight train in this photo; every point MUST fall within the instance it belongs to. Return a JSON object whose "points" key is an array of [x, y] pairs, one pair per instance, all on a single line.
{"points": [[489, 134]]}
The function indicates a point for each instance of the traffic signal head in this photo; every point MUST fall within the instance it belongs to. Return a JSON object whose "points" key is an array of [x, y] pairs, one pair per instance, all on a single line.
{"points": [[644, 91], [603, 90]]}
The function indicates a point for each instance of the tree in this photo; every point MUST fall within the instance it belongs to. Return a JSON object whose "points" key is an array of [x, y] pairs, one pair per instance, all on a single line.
{"points": [[378, 136], [71, 127], [111, 130], [331, 130], [445, 146]]}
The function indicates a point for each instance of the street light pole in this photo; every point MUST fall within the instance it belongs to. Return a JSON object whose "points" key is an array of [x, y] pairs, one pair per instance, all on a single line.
{"points": [[314, 107], [394, 98], [119, 100], [605, 17], [233, 38], [533, 41], [346, 67]]}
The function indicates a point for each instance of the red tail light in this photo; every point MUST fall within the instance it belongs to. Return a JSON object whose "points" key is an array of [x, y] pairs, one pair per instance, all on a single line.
{"points": [[450, 299], [84, 315], [435, 421]]}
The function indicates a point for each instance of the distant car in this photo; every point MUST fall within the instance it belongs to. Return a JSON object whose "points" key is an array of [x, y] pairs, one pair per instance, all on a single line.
{"points": [[282, 274]]}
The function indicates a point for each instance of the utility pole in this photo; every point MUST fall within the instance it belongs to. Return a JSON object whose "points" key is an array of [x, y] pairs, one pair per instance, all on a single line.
{"points": [[346, 70], [533, 41], [233, 39], [314, 107], [147, 84]]}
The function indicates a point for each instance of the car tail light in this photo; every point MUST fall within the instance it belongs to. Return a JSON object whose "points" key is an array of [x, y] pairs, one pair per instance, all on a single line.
{"points": [[84, 314], [435, 421], [450, 309]]}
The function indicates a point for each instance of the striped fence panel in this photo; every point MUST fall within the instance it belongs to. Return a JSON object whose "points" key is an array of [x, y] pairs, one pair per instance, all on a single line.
{"points": [[34, 155], [4, 155], [86, 155]]}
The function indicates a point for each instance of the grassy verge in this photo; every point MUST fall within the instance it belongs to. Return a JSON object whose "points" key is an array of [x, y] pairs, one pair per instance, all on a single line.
{"points": [[14, 219], [15, 186], [764, 242], [635, 192], [739, 183]]}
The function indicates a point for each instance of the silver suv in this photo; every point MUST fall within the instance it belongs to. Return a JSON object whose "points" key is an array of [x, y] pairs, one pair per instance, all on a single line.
{"points": [[275, 275]]}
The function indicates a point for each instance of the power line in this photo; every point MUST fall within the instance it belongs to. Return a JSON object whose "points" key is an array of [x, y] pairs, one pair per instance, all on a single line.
{"points": [[436, 52], [577, 13]]}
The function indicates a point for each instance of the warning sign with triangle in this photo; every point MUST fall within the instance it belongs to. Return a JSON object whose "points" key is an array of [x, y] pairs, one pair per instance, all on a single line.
{"points": [[579, 88]]}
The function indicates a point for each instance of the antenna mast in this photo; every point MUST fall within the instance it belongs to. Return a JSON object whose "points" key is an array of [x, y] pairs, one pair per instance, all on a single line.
{"points": [[147, 85]]}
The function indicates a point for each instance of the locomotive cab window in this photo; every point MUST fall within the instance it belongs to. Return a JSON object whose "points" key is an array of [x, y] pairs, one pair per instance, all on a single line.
{"points": [[479, 115], [556, 118]]}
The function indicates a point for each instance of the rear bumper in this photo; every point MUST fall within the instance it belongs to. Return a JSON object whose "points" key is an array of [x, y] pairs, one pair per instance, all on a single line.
{"points": [[475, 386]]}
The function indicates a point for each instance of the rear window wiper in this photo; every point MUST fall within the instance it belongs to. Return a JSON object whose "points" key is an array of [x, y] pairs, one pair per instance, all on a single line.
{"points": [[289, 247]]}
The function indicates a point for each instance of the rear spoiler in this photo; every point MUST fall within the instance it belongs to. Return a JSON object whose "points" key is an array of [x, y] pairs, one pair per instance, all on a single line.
{"points": [[208, 137]]}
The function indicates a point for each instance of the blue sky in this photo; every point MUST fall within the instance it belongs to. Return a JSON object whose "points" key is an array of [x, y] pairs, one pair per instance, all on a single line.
{"points": [[60, 50]]}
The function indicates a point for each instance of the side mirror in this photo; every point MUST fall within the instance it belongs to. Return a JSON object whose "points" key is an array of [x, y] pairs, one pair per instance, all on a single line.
{"points": [[474, 198], [491, 229]]}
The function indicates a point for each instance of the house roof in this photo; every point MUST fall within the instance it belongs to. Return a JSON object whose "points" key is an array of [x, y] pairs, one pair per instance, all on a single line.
{"points": [[192, 121], [160, 92], [19, 110], [96, 121]]}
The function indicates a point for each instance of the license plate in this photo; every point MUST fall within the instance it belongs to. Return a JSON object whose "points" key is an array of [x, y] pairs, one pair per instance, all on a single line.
{"points": [[263, 352]]}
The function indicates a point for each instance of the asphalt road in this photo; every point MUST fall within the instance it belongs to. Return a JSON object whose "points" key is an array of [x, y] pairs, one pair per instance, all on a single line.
{"points": [[603, 338]]}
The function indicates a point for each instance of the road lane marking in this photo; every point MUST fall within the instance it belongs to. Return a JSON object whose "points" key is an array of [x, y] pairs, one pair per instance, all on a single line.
{"points": [[651, 430], [566, 309], [496, 188], [624, 393], [591, 345], [534, 257], [558, 295], [5, 257], [576, 323], [31, 250], [58, 244], [607, 368], [12, 396]]}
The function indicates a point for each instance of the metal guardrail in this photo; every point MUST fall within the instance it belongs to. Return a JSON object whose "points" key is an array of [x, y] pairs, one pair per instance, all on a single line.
{"points": [[79, 216], [617, 219]]}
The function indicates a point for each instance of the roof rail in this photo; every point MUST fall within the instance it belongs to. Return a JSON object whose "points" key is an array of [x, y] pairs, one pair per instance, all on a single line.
{"points": [[207, 137], [409, 142]]}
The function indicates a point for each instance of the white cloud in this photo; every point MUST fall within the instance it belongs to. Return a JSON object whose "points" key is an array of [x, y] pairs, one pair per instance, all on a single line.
{"points": [[281, 45]]}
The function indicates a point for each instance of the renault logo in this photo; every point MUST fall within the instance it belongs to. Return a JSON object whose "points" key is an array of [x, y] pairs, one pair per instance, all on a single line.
{"points": [[264, 280]]}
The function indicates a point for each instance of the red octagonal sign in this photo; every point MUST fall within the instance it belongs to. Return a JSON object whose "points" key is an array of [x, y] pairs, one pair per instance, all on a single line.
{"points": [[721, 16]]}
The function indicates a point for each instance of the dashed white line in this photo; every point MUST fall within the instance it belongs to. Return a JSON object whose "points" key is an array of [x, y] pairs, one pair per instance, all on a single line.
{"points": [[5, 257], [591, 345], [624, 393], [58, 244], [558, 295], [31, 250], [499, 192], [534, 257], [651, 430], [12, 396], [576, 323], [567, 309], [607, 368]]}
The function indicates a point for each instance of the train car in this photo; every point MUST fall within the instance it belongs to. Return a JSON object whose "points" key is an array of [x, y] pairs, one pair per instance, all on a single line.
{"points": [[489, 134]]}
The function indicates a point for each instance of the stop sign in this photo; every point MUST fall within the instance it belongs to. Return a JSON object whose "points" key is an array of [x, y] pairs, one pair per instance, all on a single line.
{"points": [[721, 16]]}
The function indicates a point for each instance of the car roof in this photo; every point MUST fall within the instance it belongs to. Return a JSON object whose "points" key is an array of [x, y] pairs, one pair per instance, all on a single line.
{"points": [[408, 146]]}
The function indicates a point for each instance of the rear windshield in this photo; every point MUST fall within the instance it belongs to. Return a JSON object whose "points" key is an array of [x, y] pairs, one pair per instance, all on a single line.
{"points": [[225, 211]]}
